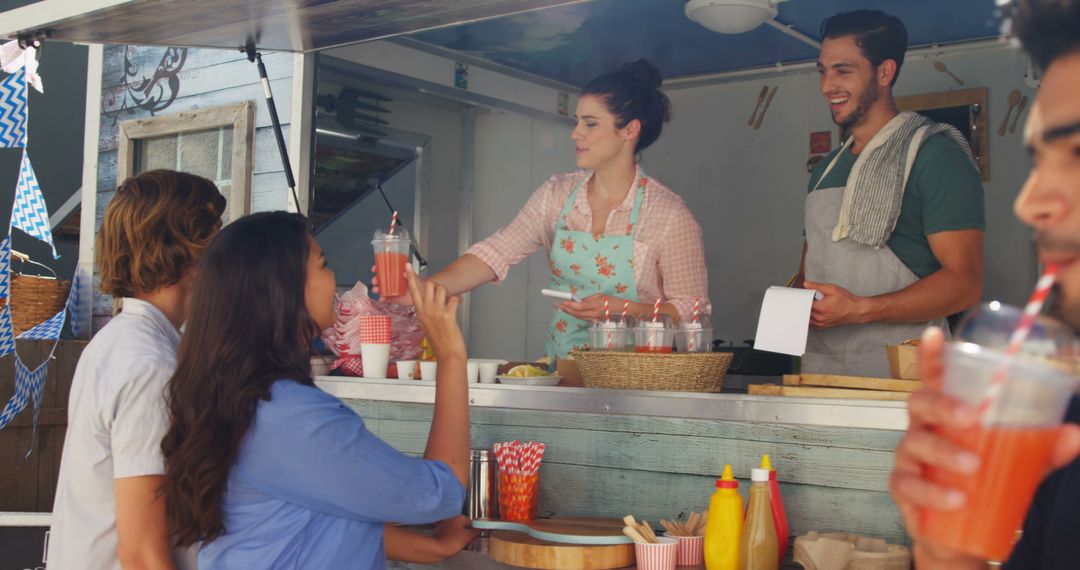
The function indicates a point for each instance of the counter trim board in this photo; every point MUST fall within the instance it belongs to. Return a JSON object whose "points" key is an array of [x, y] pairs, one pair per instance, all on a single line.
{"points": [[848, 413]]}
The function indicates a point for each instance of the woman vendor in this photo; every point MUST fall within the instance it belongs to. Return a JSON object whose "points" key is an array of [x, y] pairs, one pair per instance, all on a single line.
{"points": [[610, 231]]}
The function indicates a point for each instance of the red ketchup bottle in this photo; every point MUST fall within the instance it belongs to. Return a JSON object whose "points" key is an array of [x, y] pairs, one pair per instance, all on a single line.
{"points": [[779, 516]]}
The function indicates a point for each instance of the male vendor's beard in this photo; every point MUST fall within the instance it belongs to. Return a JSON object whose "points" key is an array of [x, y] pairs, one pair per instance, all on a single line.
{"points": [[866, 100]]}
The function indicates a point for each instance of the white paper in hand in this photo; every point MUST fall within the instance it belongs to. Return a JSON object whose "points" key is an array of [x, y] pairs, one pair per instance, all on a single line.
{"points": [[784, 320]]}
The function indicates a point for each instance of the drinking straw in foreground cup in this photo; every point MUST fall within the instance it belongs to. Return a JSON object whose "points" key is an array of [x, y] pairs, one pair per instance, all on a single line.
{"points": [[1020, 334]]}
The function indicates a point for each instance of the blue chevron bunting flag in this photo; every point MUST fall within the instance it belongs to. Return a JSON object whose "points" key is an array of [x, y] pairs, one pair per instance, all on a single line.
{"points": [[13, 111], [29, 386], [46, 330], [7, 332], [29, 213], [5, 266]]}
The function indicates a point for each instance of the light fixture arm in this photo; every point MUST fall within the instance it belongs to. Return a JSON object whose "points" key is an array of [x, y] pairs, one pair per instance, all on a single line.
{"points": [[791, 31]]}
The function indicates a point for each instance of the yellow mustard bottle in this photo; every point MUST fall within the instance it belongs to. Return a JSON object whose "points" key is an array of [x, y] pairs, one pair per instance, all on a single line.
{"points": [[758, 547], [724, 525]]}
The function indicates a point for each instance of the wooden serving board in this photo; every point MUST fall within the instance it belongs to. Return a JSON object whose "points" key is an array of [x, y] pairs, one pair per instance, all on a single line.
{"points": [[813, 392], [521, 549], [859, 382]]}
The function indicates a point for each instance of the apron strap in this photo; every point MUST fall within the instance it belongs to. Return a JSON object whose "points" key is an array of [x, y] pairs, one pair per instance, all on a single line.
{"points": [[571, 199], [832, 162]]}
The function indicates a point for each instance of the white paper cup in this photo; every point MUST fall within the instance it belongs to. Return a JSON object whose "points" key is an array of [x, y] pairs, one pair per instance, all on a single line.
{"points": [[427, 370], [659, 556], [488, 370], [472, 368], [376, 359], [406, 370]]}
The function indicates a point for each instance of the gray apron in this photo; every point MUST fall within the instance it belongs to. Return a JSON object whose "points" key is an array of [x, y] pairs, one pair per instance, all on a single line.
{"points": [[851, 350]]}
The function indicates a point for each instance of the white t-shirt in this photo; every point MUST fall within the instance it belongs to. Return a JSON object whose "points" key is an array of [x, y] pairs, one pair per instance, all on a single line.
{"points": [[116, 421]]}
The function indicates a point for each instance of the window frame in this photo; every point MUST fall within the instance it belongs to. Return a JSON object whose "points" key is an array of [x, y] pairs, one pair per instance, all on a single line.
{"points": [[239, 116]]}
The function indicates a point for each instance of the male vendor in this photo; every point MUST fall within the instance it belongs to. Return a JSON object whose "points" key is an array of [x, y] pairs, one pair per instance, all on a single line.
{"points": [[894, 218]]}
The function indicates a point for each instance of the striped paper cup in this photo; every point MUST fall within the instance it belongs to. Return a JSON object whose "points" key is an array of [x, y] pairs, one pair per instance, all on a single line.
{"points": [[659, 556], [691, 550]]}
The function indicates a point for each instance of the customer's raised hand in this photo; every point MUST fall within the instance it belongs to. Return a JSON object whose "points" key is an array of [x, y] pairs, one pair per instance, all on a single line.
{"points": [[438, 316]]}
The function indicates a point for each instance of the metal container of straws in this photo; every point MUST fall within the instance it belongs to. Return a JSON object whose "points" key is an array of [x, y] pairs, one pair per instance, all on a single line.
{"points": [[519, 477]]}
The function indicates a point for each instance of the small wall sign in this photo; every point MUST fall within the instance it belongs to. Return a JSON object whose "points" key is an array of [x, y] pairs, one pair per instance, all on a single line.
{"points": [[461, 75]]}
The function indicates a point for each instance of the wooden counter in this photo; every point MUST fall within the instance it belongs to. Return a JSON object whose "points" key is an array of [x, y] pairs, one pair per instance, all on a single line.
{"points": [[615, 452]]}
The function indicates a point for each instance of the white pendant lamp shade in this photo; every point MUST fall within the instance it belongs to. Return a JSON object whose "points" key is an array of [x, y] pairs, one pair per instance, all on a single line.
{"points": [[730, 16]]}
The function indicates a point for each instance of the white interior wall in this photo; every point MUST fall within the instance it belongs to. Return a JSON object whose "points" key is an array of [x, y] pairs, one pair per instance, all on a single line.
{"points": [[510, 320]]}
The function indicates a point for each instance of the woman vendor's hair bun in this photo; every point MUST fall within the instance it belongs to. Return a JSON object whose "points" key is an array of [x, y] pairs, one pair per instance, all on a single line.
{"points": [[645, 72], [633, 93]]}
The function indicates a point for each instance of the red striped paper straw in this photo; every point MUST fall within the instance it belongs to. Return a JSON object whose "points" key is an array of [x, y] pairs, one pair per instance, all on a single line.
{"points": [[1020, 333], [697, 309], [625, 309], [656, 310], [393, 222]]}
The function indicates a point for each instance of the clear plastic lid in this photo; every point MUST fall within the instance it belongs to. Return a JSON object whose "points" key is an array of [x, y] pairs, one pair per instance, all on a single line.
{"points": [[615, 321], [382, 234], [992, 326], [662, 321], [702, 322]]}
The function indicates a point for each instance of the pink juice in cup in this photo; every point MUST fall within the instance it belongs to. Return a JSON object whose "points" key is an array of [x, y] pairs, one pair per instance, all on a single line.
{"points": [[391, 257]]}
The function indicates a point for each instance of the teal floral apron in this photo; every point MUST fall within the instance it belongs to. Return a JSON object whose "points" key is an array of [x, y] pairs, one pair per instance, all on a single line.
{"points": [[585, 264]]}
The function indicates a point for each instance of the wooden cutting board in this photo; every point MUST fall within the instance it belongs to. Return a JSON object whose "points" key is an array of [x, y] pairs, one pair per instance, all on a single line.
{"points": [[858, 382], [813, 392], [520, 549]]}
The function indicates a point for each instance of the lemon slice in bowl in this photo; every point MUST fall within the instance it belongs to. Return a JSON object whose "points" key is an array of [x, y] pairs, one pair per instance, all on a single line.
{"points": [[526, 371]]}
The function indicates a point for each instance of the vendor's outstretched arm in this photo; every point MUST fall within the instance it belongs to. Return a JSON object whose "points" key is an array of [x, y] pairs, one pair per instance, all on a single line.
{"points": [[463, 275], [953, 288]]}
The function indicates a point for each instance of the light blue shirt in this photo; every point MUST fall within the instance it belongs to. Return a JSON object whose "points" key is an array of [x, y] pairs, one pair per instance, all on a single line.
{"points": [[312, 487]]}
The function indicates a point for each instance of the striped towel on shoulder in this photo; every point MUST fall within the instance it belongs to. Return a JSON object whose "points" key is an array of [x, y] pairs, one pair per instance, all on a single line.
{"points": [[875, 187]]}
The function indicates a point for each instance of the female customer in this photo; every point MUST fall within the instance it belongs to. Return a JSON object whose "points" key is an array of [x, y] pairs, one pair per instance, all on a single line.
{"points": [[265, 469], [610, 231]]}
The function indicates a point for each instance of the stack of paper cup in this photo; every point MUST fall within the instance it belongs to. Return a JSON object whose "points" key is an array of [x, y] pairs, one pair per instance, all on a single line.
{"points": [[375, 344]]}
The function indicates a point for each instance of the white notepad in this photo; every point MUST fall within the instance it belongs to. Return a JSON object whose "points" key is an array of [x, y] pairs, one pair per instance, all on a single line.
{"points": [[784, 320]]}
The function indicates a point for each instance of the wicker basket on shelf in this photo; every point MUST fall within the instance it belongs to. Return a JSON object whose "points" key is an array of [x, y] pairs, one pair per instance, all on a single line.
{"points": [[37, 298], [676, 372]]}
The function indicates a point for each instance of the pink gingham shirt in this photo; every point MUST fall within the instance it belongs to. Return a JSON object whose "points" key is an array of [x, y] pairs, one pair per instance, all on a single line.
{"points": [[669, 256]]}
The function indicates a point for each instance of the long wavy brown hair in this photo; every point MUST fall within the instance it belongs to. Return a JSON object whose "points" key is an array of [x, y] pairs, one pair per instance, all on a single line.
{"points": [[247, 328]]}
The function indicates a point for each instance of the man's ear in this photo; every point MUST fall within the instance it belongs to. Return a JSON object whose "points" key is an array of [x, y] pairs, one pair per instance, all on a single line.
{"points": [[886, 72]]}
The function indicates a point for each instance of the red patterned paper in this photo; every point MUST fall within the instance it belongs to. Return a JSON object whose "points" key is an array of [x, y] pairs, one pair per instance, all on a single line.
{"points": [[374, 329]]}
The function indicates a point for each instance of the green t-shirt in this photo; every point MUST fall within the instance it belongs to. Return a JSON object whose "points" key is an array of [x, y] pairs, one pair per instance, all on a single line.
{"points": [[944, 193]]}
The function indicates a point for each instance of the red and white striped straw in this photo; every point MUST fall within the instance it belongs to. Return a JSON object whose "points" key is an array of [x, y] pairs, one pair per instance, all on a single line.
{"points": [[1020, 333], [656, 310], [393, 222], [607, 313], [625, 309], [697, 309]]}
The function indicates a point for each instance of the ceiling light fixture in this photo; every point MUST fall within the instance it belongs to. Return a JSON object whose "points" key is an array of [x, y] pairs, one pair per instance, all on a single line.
{"points": [[731, 16]]}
